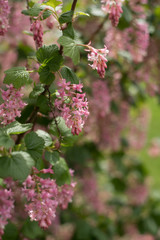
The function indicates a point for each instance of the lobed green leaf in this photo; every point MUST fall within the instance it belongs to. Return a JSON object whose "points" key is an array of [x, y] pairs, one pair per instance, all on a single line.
{"points": [[34, 144], [70, 48], [18, 165], [18, 76]]}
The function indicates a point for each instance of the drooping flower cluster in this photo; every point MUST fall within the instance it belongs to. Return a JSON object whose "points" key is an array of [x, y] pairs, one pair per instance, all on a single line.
{"points": [[98, 57], [73, 105], [6, 206], [101, 99], [134, 40], [105, 126], [141, 237], [137, 40], [11, 108], [138, 130], [37, 30], [138, 8], [114, 8], [44, 196], [91, 191], [66, 194], [4, 12], [137, 194]]}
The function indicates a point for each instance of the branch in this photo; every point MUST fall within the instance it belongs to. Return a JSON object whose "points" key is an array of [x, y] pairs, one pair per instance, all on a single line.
{"points": [[54, 115], [74, 5]]}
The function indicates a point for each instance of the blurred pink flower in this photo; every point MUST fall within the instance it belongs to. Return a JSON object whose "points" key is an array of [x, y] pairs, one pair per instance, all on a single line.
{"points": [[4, 12]]}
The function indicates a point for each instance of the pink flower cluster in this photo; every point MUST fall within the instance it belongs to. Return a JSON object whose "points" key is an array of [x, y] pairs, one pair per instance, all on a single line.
{"points": [[44, 196], [65, 194], [138, 130], [6, 206], [73, 105], [138, 8], [138, 194], [101, 99], [92, 192], [142, 237], [37, 30], [137, 40], [11, 108], [105, 126], [134, 39], [4, 12], [114, 8], [98, 57]]}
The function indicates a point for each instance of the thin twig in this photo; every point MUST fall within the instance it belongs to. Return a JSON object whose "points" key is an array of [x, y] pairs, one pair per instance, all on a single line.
{"points": [[54, 115], [74, 5]]}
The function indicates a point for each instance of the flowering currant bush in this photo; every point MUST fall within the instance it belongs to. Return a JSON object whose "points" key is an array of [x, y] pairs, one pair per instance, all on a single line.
{"points": [[73, 87]]}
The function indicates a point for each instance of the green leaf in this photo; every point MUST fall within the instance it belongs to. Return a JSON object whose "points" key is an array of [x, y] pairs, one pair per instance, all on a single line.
{"points": [[37, 90], [157, 11], [6, 141], [61, 172], [64, 130], [52, 157], [78, 155], [69, 75], [67, 137], [35, 10], [46, 137], [17, 166], [49, 56], [55, 63], [127, 14], [70, 48], [66, 17], [17, 128], [46, 76], [34, 145], [42, 103], [77, 14], [69, 31], [45, 53], [18, 76], [32, 230], [53, 3], [10, 232]]}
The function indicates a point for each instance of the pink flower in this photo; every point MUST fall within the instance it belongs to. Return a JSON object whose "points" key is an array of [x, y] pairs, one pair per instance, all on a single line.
{"points": [[11, 108], [42, 197], [73, 105], [66, 194], [4, 12], [137, 40], [6, 206], [114, 8], [98, 57], [138, 194], [115, 13], [37, 30]]}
